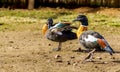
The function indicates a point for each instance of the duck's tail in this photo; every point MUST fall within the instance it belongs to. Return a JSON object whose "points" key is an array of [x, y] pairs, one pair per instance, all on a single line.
{"points": [[109, 49], [103, 43]]}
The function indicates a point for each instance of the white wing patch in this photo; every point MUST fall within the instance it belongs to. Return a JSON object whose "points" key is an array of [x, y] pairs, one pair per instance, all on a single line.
{"points": [[90, 38]]}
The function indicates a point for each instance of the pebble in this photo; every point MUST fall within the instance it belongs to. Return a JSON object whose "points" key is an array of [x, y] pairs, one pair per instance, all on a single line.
{"points": [[11, 42], [75, 64], [72, 57], [96, 66], [105, 62], [59, 61], [57, 56], [112, 57], [99, 58], [68, 63], [79, 49], [49, 44], [71, 43]]}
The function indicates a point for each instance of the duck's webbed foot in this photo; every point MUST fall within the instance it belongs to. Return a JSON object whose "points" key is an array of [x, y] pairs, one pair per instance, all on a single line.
{"points": [[59, 47], [56, 49], [89, 57]]}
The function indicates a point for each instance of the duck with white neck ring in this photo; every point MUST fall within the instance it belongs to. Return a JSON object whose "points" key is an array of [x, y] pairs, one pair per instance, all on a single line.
{"points": [[90, 39]]}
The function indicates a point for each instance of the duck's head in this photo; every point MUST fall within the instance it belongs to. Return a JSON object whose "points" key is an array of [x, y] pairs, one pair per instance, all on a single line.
{"points": [[83, 19], [50, 22]]}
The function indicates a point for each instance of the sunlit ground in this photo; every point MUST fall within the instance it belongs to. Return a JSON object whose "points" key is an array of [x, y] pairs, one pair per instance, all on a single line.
{"points": [[24, 49]]}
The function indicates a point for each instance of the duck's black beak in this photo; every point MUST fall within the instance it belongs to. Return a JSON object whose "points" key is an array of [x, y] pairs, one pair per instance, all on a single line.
{"points": [[77, 19], [74, 20]]}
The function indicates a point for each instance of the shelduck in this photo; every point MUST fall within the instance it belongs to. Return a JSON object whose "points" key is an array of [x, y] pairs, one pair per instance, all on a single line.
{"points": [[90, 39], [59, 32]]}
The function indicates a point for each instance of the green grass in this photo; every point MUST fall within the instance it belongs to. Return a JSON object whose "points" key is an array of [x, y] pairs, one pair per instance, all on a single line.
{"points": [[20, 19]]}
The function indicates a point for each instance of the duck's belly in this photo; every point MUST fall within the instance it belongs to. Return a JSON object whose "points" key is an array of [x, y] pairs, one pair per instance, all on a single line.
{"points": [[54, 37], [88, 40], [89, 45]]}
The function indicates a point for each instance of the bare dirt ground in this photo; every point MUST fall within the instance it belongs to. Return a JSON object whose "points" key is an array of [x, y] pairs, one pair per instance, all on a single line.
{"points": [[29, 51]]}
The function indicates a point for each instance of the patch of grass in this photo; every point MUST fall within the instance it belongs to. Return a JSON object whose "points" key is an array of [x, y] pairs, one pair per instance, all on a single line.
{"points": [[21, 19], [40, 14], [114, 24]]}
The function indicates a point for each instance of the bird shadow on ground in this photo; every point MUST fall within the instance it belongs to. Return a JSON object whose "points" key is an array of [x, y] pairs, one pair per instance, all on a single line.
{"points": [[105, 62], [117, 51], [80, 50], [116, 61], [87, 51], [99, 62]]}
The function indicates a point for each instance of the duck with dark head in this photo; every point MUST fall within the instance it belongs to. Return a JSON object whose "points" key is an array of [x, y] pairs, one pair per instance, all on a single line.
{"points": [[59, 32], [90, 39], [47, 25]]}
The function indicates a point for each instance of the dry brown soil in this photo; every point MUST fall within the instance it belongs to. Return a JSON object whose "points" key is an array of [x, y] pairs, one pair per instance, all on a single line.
{"points": [[29, 51]]}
